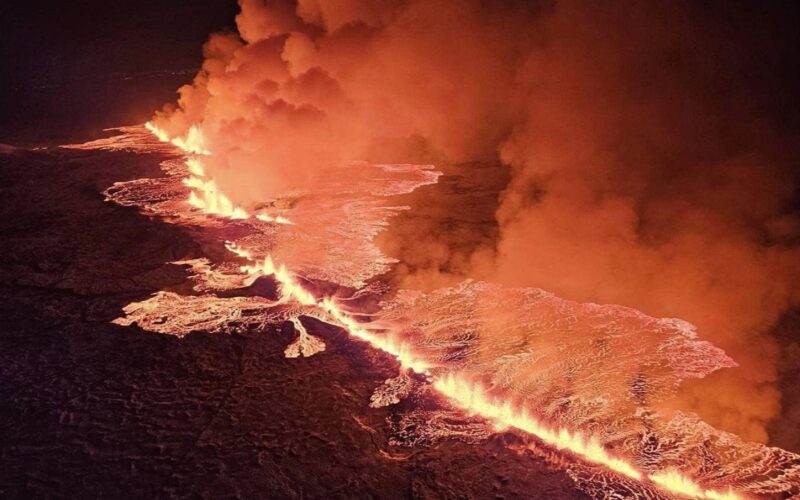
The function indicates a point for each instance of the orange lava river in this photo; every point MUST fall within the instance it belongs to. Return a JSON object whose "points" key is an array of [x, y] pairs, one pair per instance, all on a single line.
{"points": [[457, 388], [471, 397]]}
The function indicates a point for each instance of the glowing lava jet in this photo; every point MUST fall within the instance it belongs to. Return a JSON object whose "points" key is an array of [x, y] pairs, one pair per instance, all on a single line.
{"points": [[471, 397], [474, 399], [192, 143], [459, 390], [204, 193], [292, 290]]}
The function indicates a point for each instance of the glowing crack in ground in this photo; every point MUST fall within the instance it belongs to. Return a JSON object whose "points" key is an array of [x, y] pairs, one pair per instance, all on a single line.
{"points": [[521, 358]]}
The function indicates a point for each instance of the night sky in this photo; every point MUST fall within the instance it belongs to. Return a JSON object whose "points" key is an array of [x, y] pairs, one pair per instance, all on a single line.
{"points": [[69, 69]]}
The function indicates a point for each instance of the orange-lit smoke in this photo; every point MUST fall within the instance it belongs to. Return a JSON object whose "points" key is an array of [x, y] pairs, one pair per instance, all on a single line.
{"points": [[643, 176], [647, 168], [204, 194], [458, 389], [304, 87]]}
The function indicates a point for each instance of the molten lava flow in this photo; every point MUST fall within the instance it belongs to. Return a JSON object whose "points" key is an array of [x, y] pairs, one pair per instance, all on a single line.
{"points": [[204, 194], [473, 398], [193, 142], [292, 290], [306, 344], [278, 219], [386, 343], [211, 200], [466, 395], [195, 167], [675, 482], [457, 388], [160, 134]]}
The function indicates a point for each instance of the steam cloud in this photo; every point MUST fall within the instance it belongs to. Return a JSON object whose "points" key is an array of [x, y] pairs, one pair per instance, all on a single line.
{"points": [[647, 166]]}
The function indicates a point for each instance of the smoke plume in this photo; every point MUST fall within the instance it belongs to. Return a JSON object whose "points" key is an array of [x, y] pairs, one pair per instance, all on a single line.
{"points": [[650, 163]]}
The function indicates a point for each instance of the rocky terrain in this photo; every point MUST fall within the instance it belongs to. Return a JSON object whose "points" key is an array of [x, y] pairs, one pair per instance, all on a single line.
{"points": [[92, 409]]}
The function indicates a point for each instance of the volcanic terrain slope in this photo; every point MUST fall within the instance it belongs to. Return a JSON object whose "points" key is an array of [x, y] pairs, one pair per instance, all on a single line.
{"points": [[92, 409]]}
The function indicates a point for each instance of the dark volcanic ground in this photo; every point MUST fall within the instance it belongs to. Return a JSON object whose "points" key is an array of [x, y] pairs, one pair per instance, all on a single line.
{"points": [[90, 409]]}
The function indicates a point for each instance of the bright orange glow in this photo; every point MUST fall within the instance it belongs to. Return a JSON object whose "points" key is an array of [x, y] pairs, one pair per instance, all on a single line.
{"points": [[292, 290], [469, 396], [195, 167], [241, 252], [160, 134], [473, 398], [204, 194], [210, 199], [387, 343], [192, 143], [675, 482], [305, 345], [278, 219]]}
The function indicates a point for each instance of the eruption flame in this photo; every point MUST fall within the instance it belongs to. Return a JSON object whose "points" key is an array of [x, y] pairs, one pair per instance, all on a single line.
{"points": [[278, 219], [292, 290], [212, 200], [472, 397], [192, 143], [205, 195], [459, 390], [646, 158], [675, 482]]}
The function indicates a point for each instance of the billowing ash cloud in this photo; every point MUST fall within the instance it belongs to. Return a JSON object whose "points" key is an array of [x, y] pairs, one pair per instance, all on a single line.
{"points": [[647, 174], [307, 86], [647, 164]]}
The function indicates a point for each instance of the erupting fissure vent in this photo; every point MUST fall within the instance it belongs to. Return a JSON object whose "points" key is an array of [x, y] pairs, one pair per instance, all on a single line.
{"points": [[510, 383], [472, 397], [205, 194]]}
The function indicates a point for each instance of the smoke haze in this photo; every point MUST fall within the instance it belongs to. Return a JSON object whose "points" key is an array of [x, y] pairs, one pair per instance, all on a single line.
{"points": [[648, 150]]}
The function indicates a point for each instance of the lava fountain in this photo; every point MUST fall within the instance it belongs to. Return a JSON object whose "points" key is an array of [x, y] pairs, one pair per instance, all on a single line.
{"points": [[457, 388], [627, 179]]}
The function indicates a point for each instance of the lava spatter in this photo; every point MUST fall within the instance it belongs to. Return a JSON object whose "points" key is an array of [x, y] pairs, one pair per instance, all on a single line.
{"points": [[552, 377]]}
